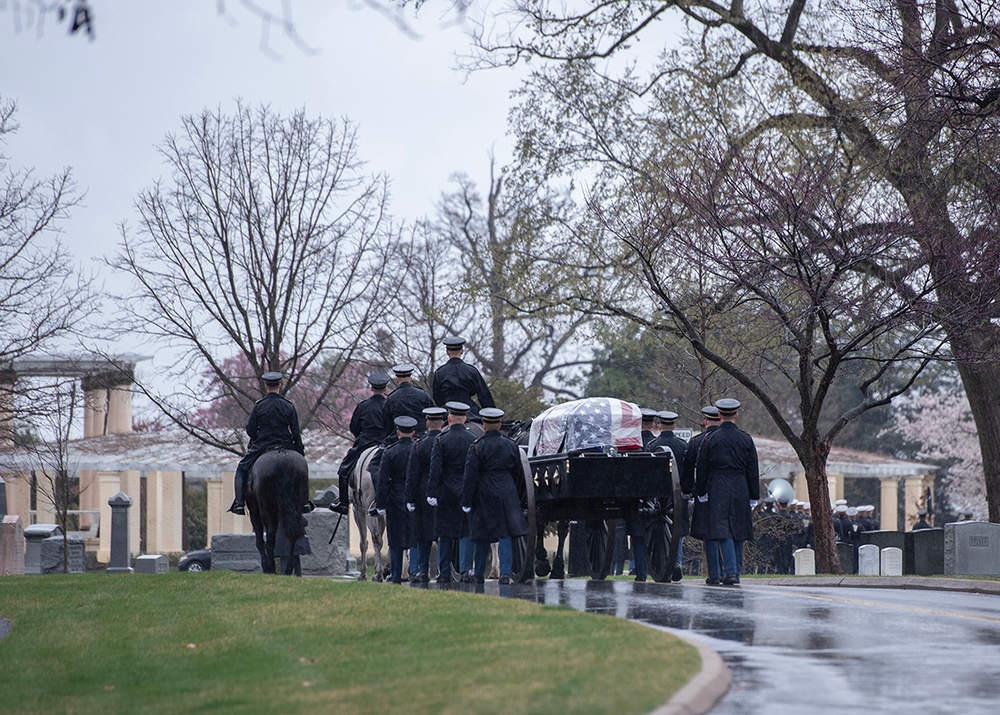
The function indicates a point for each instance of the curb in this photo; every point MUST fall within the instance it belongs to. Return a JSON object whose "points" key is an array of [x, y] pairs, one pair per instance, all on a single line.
{"points": [[904, 582], [704, 690]]}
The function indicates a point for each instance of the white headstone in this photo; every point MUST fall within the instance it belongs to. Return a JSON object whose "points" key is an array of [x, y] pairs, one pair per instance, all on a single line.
{"points": [[805, 562], [868, 560], [892, 562]]}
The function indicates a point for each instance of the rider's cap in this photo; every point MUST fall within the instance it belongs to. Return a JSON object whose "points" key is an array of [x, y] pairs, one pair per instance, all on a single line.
{"points": [[455, 342], [378, 379], [727, 406], [647, 414], [434, 413], [667, 417], [404, 369], [272, 377], [457, 408], [405, 424], [491, 414], [710, 411]]}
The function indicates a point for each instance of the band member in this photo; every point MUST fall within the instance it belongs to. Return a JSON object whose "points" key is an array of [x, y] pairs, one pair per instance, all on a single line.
{"points": [[444, 491], [390, 494], [422, 513]]}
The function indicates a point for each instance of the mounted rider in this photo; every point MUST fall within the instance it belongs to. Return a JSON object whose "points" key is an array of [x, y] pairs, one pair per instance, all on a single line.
{"points": [[457, 381], [368, 428], [273, 424]]}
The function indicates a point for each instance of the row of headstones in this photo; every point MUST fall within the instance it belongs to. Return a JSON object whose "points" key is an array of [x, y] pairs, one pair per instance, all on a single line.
{"points": [[39, 548], [872, 561], [958, 549]]}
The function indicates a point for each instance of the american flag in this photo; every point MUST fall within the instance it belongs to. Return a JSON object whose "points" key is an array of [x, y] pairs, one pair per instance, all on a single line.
{"points": [[589, 424]]}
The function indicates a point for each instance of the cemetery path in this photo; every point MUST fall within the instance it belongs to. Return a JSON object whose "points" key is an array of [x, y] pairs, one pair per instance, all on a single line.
{"points": [[817, 649]]}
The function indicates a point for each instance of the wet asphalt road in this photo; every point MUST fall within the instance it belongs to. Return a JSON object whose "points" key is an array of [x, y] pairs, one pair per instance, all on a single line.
{"points": [[817, 650]]}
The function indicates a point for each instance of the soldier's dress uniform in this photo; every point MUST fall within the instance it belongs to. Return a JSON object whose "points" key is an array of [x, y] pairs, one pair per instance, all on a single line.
{"points": [[273, 424], [422, 514], [407, 400], [444, 487], [457, 381], [728, 478], [368, 428], [679, 447], [390, 494], [493, 470]]}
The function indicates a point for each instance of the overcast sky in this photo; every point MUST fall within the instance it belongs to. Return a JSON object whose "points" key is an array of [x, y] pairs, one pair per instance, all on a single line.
{"points": [[102, 106]]}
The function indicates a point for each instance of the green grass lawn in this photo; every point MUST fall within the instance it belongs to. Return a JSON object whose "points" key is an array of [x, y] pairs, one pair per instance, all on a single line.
{"points": [[222, 642]]}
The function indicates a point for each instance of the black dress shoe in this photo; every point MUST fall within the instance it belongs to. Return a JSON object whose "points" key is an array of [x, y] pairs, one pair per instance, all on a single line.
{"points": [[677, 575], [466, 578], [478, 579], [237, 508], [731, 580], [640, 579], [423, 578], [443, 579], [713, 581], [339, 508], [504, 580], [309, 507]]}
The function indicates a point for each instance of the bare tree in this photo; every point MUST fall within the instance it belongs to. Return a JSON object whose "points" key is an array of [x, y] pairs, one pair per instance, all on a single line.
{"points": [[785, 245], [44, 298], [267, 242]]}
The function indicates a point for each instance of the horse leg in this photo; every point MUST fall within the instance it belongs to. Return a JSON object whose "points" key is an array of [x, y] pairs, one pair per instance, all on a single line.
{"points": [[542, 565], [361, 521], [494, 561], [558, 563], [377, 527], [267, 563]]}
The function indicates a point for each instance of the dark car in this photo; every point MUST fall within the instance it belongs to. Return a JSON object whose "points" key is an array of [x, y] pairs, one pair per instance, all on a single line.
{"points": [[196, 561]]}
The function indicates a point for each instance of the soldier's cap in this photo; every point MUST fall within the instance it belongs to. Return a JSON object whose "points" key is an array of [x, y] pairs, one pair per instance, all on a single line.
{"points": [[710, 411], [768, 500], [405, 424], [457, 408], [728, 406], [434, 413], [667, 416], [455, 342], [866, 507], [921, 512], [648, 415], [491, 414], [404, 369], [272, 377], [783, 499], [967, 512], [840, 501], [841, 509], [805, 505], [378, 379], [852, 511]]}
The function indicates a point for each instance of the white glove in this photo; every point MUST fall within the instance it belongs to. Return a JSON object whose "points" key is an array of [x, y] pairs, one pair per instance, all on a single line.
{"points": [[753, 503], [467, 509], [432, 501], [411, 506], [703, 498], [381, 512]]}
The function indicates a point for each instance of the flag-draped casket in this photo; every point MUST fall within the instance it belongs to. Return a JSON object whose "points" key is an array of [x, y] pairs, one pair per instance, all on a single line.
{"points": [[590, 424]]}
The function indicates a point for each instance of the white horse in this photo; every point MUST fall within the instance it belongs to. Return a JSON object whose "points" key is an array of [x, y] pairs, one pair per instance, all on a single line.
{"points": [[362, 496]]}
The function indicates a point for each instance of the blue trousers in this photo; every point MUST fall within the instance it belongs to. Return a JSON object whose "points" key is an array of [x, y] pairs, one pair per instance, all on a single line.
{"points": [[505, 554], [727, 547], [466, 552], [395, 564], [444, 557], [422, 562]]}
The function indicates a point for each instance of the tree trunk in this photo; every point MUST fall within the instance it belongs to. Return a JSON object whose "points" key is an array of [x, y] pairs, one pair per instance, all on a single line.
{"points": [[824, 538], [982, 386]]}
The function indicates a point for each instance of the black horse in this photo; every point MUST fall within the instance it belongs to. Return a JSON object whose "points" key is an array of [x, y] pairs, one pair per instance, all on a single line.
{"points": [[276, 492]]}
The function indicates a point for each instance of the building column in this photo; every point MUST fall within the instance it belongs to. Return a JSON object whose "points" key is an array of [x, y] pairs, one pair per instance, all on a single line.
{"points": [[835, 482], [800, 486], [19, 495], [913, 498], [108, 484], [164, 512], [45, 510], [889, 503], [221, 521]]}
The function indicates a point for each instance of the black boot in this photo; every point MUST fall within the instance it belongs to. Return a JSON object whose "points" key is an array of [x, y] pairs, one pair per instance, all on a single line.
{"points": [[341, 505], [239, 487]]}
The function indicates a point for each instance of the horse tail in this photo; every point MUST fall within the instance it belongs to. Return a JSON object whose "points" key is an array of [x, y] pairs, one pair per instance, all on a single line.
{"points": [[289, 497]]}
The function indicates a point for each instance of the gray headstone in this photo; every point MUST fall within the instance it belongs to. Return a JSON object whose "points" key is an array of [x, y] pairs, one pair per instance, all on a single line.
{"points": [[235, 552], [326, 559], [151, 563], [892, 561], [848, 557], [924, 554], [12, 545], [34, 535], [805, 562], [120, 555], [52, 554], [972, 548], [869, 556]]}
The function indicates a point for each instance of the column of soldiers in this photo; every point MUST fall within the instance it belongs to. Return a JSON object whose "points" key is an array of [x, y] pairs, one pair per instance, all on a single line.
{"points": [[454, 484]]}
